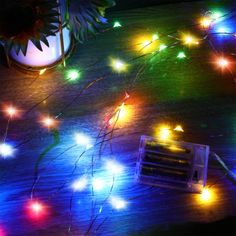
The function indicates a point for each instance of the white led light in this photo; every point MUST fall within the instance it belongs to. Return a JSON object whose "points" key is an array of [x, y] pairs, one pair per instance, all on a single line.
{"points": [[6, 150], [80, 184], [118, 203], [114, 167], [98, 184], [83, 140]]}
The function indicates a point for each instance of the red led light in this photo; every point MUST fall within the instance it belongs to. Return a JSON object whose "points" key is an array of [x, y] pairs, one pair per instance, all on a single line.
{"points": [[11, 111], [36, 210]]}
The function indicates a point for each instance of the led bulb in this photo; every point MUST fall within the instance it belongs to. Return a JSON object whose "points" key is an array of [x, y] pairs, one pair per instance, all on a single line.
{"points": [[6, 150], [41, 72], [73, 75], [98, 184], [181, 55], [164, 133], [117, 24], [222, 62], [206, 22], [83, 140], [118, 203], [118, 65], [48, 122], [178, 128], [10, 111], [80, 184], [114, 167]]}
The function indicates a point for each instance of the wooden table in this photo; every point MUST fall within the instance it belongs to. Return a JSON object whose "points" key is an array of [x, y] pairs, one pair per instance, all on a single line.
{"points": [[189, 92]]}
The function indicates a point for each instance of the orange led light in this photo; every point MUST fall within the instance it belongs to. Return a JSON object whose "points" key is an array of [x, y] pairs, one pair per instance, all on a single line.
{"points": [[11, 111], [223, 62], [48, 122], [122, 115], [205, 22]]}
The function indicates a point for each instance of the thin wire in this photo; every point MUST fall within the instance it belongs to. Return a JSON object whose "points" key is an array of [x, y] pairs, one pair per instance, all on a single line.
{"points": [[6, 131], [111, 135], [228, 172]]}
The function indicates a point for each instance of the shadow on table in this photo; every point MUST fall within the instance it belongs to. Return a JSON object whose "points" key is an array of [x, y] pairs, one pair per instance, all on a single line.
{"points": [[3, 58], [131, 4], [225, 227]]}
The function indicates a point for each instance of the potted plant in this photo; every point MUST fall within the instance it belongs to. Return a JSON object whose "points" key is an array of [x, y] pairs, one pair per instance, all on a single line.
{"points": [[38, 34]]}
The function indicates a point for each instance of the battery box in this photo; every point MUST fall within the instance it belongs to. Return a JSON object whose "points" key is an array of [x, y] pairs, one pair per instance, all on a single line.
{"points": [[172, 164]]}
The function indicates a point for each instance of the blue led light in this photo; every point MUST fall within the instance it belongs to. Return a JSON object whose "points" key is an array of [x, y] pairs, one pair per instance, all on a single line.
{"points": [[223, 30]]}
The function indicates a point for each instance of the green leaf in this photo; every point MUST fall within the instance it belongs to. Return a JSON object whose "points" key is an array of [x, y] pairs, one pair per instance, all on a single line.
{"points": [[37, 43], [23, 48], [44, 40], [17, 48]]}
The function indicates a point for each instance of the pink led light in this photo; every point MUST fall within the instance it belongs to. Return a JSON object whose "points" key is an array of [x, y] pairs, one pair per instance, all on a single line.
{"points": [[2, 231], [36, 210]]}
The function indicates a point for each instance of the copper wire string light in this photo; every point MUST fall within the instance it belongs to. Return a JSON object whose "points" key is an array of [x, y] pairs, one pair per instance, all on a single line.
{"points": [[117, 118]]}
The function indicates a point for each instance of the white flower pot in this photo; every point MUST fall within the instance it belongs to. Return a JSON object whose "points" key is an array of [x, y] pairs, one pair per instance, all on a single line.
{"points": [[36, 59]]}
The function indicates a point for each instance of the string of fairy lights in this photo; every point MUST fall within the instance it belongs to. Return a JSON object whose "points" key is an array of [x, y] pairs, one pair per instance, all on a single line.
{"points": [[148, 48]]}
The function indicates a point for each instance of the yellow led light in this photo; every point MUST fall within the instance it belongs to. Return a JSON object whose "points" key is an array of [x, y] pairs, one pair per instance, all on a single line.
{"points": [[146, 43], [176, 149], [41, 72], [164, 133], [118, 65], [205, 195], [189, 40], [178, 128]]}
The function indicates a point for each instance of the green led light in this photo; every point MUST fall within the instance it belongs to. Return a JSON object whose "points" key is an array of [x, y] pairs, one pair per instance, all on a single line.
{"points": [[155, 37], [73, 75], [216, 15], [117, 24], [181, 55], [162, 47]]}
